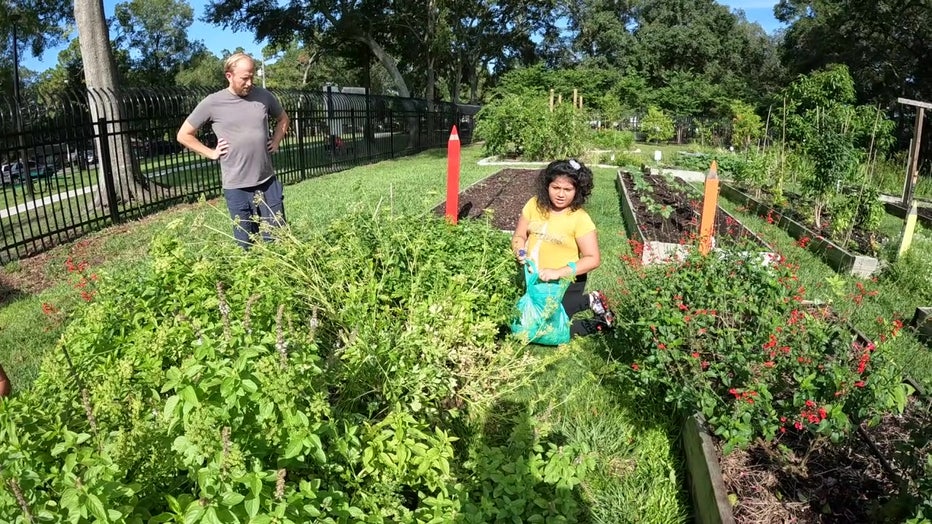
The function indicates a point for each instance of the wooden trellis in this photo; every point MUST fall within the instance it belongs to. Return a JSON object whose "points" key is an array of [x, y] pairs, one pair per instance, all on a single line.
{"points": [[912, 166]]}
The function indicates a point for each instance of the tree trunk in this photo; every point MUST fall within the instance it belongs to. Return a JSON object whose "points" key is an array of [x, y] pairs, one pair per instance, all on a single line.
{"points": [[388, 62], [101, 79], [457, 76]]}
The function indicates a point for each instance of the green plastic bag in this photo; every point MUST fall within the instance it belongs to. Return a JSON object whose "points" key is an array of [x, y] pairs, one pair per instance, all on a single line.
{"points": [[541, 317]]}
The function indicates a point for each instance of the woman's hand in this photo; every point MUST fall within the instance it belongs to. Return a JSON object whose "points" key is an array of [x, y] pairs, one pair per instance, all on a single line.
{"points": [[549, 275]]}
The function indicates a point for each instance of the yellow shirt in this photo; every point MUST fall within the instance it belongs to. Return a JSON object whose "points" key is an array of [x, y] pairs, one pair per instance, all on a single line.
{"points": [[552, 238]]}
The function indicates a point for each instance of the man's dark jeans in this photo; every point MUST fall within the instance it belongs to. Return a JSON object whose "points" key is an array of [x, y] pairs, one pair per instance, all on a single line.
{"points": [[266, 201]]}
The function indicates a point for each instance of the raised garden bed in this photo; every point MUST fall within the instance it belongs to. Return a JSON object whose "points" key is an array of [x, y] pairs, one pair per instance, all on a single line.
{"points": [[923, 212], [837, 258], [858, 481], [500, 196], [669, 237]]}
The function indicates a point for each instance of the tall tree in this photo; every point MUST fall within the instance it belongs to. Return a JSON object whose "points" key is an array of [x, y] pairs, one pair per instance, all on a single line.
{"points": [[344, 21], [100, 76], [155, 32], [884, 43], [602, 32]]}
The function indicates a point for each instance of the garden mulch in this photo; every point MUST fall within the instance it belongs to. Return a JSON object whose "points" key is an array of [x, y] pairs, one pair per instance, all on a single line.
{"points": [[500, 196]]}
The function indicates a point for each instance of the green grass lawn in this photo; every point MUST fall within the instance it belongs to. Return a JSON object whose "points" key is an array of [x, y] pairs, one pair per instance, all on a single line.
{"points": [[638, 476]]}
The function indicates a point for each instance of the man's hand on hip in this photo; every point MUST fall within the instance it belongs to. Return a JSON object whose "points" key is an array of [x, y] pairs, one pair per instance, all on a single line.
{"points": [[222, 148]]}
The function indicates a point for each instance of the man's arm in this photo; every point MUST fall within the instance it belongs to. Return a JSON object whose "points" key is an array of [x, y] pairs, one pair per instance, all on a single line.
{"points": [[281, 129], [187, 136]]}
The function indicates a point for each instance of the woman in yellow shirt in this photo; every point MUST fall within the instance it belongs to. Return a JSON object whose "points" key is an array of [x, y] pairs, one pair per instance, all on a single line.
{"points": [[554, 230]]}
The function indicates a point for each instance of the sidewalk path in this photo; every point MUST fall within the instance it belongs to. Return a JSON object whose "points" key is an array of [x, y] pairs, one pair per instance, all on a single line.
{"points": [[22, 208]]}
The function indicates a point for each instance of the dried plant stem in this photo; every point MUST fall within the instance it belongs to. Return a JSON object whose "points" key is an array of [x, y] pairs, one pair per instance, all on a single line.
{"points": [[280, 484], [225, 438], [280, 343], [247, 317], [88, 409], [20, 499], [313, 323]]}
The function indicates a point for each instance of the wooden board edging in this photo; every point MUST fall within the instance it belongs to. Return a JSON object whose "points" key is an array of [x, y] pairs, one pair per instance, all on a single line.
{"points": [[706, 487], [837, 258]]}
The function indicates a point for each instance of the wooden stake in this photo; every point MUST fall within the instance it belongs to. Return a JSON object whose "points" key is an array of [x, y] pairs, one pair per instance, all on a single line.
{"points": [[709, 207], [908, 230], [551, 100], [560, 99], [575, 95], [912, 169]]}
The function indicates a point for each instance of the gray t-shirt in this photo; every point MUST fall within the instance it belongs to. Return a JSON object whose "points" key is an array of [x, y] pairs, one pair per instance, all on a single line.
{"points": [[244, 122]]}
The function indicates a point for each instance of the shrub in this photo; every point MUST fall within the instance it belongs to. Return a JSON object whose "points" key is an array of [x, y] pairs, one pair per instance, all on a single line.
{"points": [[612, 139], [523, 126], [746, 125], [306, 379], [656, 125], [727, 337]]}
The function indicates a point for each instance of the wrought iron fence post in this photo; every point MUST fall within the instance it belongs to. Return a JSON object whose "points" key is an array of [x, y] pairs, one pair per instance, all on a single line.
{"points": [[301, 121], [370, 132], [391, 134], [352, 119], [106, 169], [331, 138]]}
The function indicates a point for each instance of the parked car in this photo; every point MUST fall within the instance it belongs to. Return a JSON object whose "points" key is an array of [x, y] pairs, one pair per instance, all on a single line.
{"points": [[43, 170], [13, 172], [87, 158], [6, 173]]}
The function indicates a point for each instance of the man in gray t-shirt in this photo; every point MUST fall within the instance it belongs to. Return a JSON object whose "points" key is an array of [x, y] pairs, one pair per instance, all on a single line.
{"points": [[239, 116]]}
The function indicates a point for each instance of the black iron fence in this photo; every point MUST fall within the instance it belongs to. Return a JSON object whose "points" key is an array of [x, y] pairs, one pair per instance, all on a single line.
{"points": [[66, 173]]}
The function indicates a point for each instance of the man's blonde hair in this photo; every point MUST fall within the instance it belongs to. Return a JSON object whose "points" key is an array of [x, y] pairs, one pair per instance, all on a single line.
{"points": [[231, 61]]}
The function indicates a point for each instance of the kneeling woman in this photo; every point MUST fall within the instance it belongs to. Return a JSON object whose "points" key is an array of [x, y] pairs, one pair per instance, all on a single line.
{"points": [[554, 230]]}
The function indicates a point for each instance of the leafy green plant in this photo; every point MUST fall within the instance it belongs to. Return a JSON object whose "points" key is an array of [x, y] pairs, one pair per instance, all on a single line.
{"points": [[656, 125], [612, 139], [835, 160], [729, 337], [911, 271], [746, 125], [517, 125], [527, 477], [326, 378]]}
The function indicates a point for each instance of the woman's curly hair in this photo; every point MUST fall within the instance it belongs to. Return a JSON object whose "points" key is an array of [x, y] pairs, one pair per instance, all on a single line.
{"points": [[575, 171]]}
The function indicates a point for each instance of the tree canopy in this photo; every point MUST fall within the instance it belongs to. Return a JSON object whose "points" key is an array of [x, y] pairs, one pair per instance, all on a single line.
{"points": [[689, 58]]}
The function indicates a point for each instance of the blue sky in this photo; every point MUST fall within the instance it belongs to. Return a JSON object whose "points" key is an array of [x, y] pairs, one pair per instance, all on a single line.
{"points": [[760, 11], [217, 39]]}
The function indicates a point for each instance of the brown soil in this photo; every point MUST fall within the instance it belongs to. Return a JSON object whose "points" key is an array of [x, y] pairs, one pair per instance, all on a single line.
{"points": [[859, 481], [683, 206], [500, 196]]}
